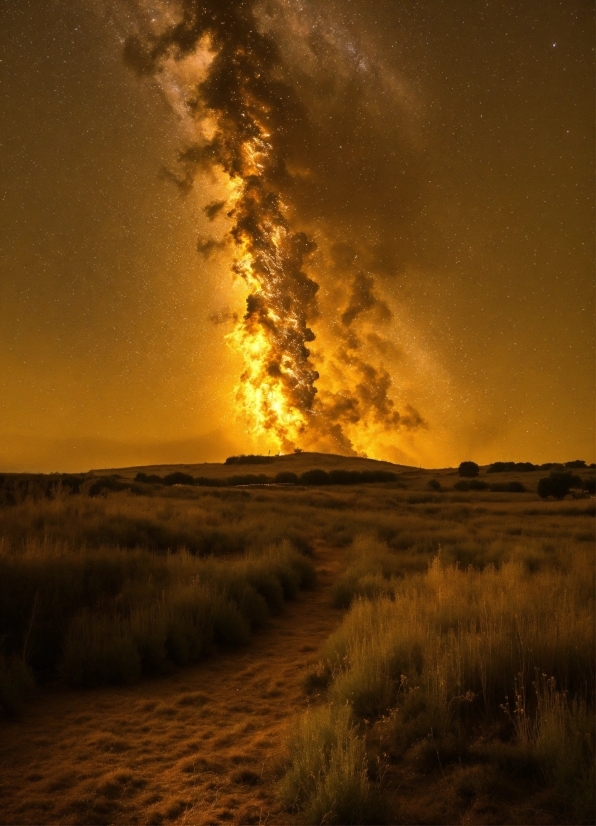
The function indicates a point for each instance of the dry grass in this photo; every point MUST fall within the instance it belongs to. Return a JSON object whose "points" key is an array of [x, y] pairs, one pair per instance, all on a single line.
{"points": [[492, 666], [202, 745], [156, 573], [108, 616]]}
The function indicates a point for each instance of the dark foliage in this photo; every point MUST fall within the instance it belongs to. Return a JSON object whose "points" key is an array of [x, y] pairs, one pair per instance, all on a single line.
{"points": [[286, 477], [249, 460], [178, 479], [508, 467], [434, 484], [316, 476], [577, 463], [149, 478], [468, 469], [473, 484], [249, 479], [507, 487], [207, 482], [558, 484], [104, 484], [16, 487]]}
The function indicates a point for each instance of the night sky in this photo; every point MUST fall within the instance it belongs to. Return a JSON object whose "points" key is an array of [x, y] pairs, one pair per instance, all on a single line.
{"points": [[436, 159]]}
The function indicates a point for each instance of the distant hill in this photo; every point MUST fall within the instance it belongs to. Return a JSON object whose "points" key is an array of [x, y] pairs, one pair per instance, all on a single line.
{"points": [[295, 462]]}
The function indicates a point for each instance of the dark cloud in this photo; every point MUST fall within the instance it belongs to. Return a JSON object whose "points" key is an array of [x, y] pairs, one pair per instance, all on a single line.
{"points": [[213, 209], [207, 247], [363, 299], [223, 316]]}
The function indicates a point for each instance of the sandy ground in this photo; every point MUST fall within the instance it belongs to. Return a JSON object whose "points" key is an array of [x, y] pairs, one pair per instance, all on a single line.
{"points": [[205, 745]]}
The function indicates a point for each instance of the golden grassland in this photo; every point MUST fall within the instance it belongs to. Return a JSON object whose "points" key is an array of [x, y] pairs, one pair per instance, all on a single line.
{"points": [[442, 653]]}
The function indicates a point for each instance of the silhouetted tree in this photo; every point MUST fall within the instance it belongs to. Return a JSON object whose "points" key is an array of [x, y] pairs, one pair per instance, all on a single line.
{"points": [[468, 469], [558, 484]]}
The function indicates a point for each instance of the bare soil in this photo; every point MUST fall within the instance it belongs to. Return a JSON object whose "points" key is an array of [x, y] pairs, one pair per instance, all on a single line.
{"points": [[204, 745]]}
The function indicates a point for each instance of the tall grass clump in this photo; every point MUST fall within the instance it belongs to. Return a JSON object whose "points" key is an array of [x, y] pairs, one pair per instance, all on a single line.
{"points": [[555, 733], [494, 664], [328, 778], [110, 616], [370, 570], [453, 631]]}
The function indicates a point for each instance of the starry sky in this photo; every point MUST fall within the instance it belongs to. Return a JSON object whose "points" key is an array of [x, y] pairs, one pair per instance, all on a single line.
{"points": [[443, 163]]}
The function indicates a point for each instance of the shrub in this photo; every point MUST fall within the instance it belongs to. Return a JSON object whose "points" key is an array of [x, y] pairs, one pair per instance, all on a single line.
{"points": [[345, 477], [434, 484], [575, 464], [507, 487], [501, 467], [468, 469], [316, 476], [208, 482], [149, 478], [558, 484], [508, 467], [286, 477], [178, 478], [105, 484], [249, 479], [474, 484], [251, 459]]}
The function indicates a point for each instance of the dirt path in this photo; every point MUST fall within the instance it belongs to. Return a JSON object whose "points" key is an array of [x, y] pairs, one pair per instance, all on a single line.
{"points": [[202, 746]]}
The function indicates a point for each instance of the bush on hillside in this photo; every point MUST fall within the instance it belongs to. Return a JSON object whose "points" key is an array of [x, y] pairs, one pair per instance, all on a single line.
{"points": [[149, 479], [178, 478], [507, 487], [468, 469], [316, 476], [472, 484], [508, 467], [249, 460], [558, 484], [286, 477]]}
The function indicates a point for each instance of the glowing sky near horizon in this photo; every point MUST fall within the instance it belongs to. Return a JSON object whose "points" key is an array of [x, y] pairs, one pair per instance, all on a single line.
{"points": [[449, 160]]}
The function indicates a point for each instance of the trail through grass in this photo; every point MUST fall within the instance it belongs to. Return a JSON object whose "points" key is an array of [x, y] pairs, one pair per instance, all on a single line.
{"points": [[204, 745]]}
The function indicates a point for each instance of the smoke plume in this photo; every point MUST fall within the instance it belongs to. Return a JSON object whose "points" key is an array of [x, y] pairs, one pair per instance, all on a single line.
{"points": [[256, 122]]}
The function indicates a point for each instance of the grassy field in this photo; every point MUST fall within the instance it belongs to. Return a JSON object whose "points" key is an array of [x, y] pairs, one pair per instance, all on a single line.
{"points": [[458, 685]]}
